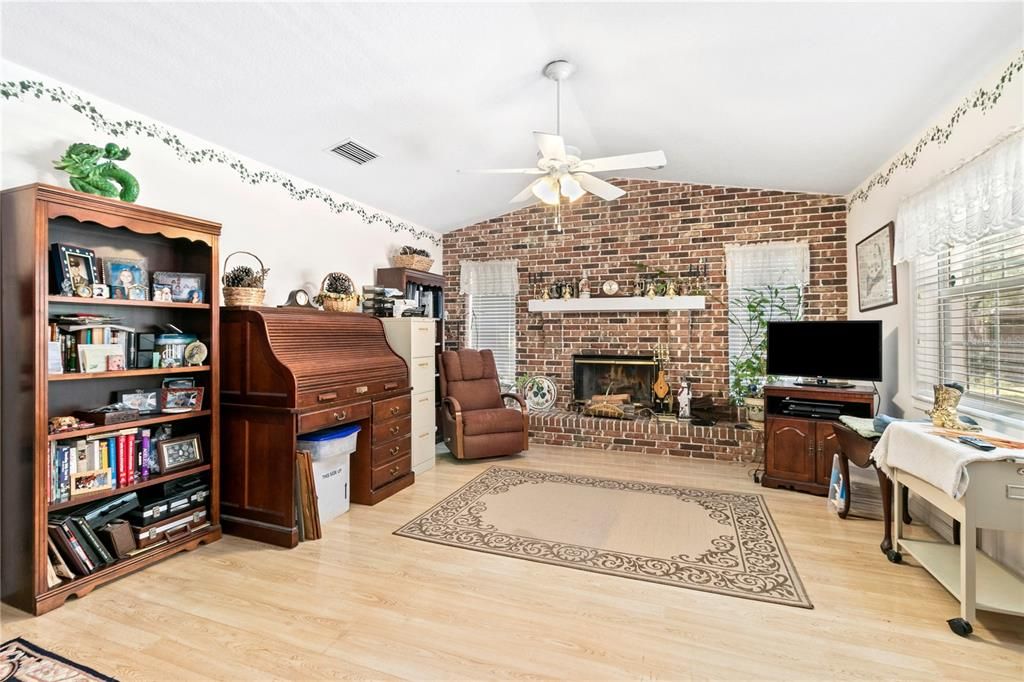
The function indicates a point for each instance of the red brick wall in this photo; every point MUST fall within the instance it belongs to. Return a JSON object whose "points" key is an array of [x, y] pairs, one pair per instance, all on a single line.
{"points": [[664, 225]]}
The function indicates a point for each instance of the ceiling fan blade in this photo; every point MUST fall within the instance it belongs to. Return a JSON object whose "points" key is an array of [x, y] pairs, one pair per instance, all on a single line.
{"points": [[526, 193], [624, 161], [551, 146], [599, 187], [517, 171]]}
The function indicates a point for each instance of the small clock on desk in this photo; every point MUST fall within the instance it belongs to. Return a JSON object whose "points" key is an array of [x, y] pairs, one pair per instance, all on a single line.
{"points": [[299, 298]]}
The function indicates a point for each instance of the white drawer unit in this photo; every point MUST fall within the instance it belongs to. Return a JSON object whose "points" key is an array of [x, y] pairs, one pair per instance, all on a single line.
{"points": [[414, 339]]}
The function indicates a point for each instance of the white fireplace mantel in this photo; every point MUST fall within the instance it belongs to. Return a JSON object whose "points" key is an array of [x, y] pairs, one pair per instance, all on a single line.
{"points": [[616, 304]]}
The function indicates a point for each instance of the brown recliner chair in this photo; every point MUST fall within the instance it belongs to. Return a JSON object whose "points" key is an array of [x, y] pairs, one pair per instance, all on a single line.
{"points": [[475, 421]]}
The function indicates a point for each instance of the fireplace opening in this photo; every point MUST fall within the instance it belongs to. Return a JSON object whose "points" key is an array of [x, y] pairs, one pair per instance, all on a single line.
{"points": [[614, 374]]}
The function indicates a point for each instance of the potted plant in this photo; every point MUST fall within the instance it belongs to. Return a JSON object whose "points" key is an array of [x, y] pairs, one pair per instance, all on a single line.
{"points": [[750, 313]]}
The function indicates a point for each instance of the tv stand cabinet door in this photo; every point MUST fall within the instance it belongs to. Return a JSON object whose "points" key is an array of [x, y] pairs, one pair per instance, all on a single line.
{"points": [[827, 447], [791, 449]]}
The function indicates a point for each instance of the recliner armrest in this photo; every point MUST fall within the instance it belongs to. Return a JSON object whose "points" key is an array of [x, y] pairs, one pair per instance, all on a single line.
{"points": [[519, 399], [453, 405]]}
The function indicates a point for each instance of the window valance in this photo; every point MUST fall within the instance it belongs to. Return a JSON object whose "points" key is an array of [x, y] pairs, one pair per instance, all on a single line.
{"points": [[983, 197], [769, 263], [489, 277]]}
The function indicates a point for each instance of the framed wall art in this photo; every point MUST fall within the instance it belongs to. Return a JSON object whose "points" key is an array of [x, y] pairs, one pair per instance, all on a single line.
{"points": [[876, 274]]}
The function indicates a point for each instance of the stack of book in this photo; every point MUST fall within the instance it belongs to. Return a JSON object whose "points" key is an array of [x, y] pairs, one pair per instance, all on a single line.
{"points": [[101, 462], [85, 343]]}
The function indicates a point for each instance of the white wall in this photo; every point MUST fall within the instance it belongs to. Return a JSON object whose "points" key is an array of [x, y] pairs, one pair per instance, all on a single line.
{"points": [[300, 241], [973, 133]]}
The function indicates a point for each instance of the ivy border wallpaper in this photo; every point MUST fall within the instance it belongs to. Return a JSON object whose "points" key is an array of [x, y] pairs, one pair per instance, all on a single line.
{"points": [[982, 100], [24, 89]]}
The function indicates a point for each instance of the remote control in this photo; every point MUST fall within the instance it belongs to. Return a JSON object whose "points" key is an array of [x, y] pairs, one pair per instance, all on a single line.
{"points": [[977, 443]]}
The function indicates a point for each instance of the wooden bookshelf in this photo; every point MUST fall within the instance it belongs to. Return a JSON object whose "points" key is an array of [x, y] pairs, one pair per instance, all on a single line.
{"points": [[31, 219], [76, 302], [121, 374], [134, 424], [103, 494]]}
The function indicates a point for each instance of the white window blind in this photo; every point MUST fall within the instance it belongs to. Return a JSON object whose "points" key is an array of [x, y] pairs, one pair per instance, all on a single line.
{"points": [[778, 270], [492, 326], [969, 321]]}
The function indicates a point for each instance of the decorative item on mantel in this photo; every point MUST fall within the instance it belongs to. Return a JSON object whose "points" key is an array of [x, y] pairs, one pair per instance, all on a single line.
{"points": [[242, 284], [81, 161], [337, 293], [413, 258]]}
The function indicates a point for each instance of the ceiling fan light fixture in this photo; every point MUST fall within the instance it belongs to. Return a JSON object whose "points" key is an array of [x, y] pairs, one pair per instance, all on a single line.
{"points": [[571, 188], [546, 189]]}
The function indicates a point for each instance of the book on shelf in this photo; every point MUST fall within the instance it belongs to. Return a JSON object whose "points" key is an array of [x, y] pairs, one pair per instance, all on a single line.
{"points": [[101, 462], [84, 347]]}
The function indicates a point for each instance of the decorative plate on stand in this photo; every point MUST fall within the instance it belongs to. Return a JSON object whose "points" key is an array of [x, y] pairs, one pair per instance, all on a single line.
{"points": [[540, 393]]}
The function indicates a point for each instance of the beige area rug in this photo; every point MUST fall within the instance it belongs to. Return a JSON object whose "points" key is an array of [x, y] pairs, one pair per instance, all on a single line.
{"points": [[705, 540]]}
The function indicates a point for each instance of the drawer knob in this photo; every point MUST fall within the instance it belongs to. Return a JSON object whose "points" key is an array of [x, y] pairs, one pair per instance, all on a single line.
{"points": [[396, 409], [362, 389], [394, 471], [340, 416], [394, 450], [395, 429]]}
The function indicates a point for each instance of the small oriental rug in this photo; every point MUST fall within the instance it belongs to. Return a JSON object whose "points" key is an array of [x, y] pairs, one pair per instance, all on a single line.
{"points": [[23, 661], [705, 540]]}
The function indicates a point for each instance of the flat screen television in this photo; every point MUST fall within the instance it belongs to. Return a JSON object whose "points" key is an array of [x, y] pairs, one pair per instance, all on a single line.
{"points": [[819, 351]]}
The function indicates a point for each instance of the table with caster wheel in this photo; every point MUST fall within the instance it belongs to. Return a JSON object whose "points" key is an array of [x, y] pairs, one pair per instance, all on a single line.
{"points": [[993, 500]]}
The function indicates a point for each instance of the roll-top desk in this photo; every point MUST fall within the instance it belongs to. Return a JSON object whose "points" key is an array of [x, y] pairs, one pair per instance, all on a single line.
{"points": [[287, 372]]}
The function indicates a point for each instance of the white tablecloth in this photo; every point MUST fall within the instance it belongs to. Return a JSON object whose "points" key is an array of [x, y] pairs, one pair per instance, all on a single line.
{"points": [[911, 447]]}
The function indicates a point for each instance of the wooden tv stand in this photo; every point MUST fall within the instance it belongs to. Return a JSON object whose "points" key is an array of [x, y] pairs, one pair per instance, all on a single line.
{"points": [[799, 448]]}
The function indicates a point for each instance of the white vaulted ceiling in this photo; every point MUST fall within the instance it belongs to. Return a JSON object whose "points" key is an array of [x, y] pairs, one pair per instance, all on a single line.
{"points": [[805, 96]]}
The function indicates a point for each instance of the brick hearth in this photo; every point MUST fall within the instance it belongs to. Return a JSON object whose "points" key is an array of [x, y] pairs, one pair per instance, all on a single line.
{"points": [[721, 442]]}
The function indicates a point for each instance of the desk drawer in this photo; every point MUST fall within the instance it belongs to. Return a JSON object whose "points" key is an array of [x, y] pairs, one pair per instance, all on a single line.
{"points": [[391, 408], [335, 416], [422, 373], [382, 454], [391, 430], [386, 473]]}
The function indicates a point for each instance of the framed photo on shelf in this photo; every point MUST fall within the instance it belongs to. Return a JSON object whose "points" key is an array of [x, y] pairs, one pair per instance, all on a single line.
{"points": [[176, 400], [74, 267], [179, 453], [876, 274], [129, 273], [179, 287], [145, 400]]}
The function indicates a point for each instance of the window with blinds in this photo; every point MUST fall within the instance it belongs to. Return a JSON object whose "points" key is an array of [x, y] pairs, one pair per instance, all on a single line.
{"points": [[969, 322], [492, 326], [772, 275]]}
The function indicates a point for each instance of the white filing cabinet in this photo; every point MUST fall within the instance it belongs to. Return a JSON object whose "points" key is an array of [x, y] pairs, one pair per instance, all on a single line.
{"points": [[413, 338]]}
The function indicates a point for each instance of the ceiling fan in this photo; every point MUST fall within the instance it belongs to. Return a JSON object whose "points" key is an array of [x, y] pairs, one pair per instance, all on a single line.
{"points": [[563, 173]]}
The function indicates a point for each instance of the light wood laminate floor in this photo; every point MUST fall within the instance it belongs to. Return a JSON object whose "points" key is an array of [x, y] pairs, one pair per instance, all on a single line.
{"points": [[363, 603]]}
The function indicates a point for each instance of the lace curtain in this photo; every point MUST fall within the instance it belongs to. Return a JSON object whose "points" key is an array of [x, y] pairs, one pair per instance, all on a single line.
{"points": [[489, 277], [983, 197], [770, 263]]}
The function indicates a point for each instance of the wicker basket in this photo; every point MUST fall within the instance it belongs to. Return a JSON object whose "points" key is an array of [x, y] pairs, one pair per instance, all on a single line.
{"points": [[413, 262], [336, 303], [238, 296]]}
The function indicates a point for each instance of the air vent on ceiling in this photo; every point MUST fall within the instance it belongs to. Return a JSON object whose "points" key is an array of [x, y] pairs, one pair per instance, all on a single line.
{"points": [[353, 151]]}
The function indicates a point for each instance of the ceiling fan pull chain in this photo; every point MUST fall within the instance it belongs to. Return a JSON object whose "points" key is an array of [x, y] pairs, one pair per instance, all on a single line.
{"points": [[558, 107]]}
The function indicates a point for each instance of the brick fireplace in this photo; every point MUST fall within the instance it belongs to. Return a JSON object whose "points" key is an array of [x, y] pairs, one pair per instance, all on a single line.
{"points": [[600, 374], [661, 225]]}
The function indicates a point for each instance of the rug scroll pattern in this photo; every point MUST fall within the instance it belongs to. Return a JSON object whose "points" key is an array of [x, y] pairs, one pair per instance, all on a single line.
{"points": [[747, 560]]}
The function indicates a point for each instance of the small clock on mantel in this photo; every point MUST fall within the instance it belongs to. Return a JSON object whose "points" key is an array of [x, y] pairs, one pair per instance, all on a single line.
{"points": [[610, 288], [300, 298]]}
